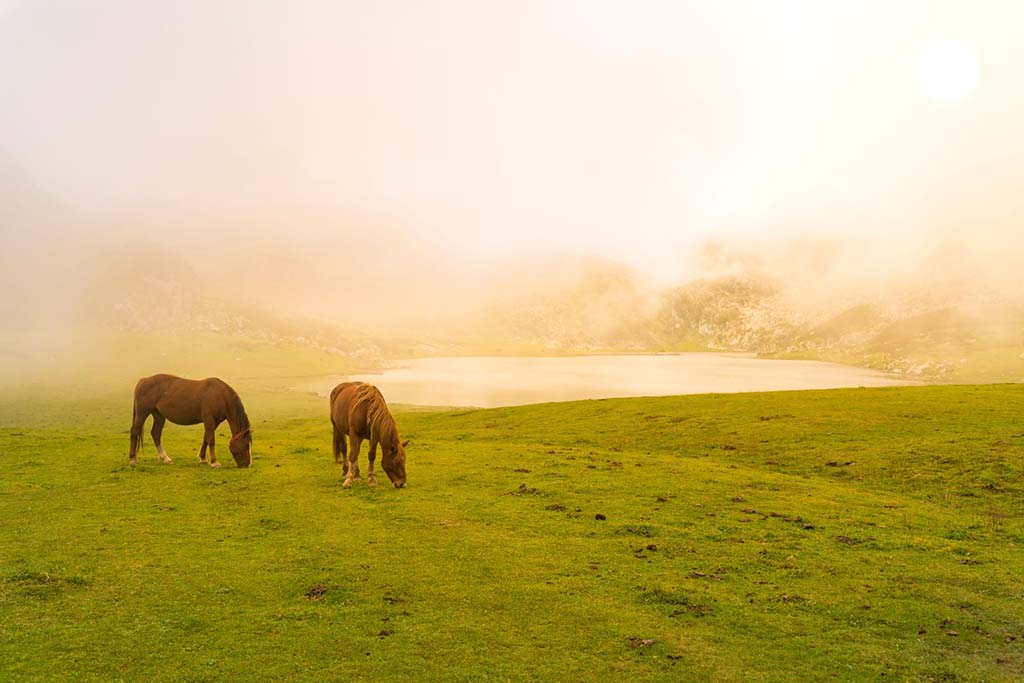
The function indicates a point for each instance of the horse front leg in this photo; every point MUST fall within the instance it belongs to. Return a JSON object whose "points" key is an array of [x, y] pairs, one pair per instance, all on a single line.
{"points": [[157, 432], [209, 440], [353, 459], [371, 478]]}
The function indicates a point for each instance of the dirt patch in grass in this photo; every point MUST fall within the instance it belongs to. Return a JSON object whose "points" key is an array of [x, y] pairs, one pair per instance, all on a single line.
{"points": [[43, 584], [848, 540], [316, 591], [660, 596], [683, 603], [272, 524], [794, 519], [696, 610]]}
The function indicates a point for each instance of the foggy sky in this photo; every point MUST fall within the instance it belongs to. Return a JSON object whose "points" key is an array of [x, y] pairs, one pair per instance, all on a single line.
{"points": [[424, 145]]}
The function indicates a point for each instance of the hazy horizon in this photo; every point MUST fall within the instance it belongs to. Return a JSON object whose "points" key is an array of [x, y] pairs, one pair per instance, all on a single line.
{"points": [[385, 163]]}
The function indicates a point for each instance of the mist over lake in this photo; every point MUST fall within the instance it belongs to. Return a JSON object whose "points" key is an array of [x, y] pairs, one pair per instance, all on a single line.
{"points": [[493, 381]]}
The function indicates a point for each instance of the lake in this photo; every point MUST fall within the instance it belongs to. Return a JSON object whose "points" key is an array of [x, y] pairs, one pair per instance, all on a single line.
{"points": [[492, 381]]}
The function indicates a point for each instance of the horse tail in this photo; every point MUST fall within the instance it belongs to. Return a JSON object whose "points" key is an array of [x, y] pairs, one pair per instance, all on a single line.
{"points": [[135, 439]]}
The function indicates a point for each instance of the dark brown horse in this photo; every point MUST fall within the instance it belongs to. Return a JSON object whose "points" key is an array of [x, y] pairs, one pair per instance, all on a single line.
{"points": [[189, 402], [358, 411]]}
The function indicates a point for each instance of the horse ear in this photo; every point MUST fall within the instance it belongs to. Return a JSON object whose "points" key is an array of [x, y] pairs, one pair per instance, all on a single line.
{"points": [[406, 443]]}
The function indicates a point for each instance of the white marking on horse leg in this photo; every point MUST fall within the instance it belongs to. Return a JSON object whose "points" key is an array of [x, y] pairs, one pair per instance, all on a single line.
{"points": [[353, 459], [350, 476], [162, 454]]}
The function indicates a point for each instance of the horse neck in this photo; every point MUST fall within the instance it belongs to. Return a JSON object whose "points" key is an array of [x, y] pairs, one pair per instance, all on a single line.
{"points": [[237, 420]]}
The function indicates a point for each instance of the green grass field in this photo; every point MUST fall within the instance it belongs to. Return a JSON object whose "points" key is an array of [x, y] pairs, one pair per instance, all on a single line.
{"points": [[850, 535]]}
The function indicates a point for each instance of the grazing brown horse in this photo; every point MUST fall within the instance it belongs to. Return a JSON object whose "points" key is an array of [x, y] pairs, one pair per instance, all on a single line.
{"points": [[189, 402], [359, 412]]}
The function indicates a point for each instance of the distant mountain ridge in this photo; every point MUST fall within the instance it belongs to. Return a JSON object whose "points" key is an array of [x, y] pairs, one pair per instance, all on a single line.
{"points": [[604, 311], [973, 336]]}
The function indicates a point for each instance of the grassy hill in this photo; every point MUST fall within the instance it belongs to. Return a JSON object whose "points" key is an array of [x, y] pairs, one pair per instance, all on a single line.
{"points": [[839, 535]]}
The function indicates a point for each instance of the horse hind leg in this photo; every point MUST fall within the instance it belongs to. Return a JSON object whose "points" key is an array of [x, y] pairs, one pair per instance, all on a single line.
{"points": [[352, 472], [157, 432], [344, 470]]}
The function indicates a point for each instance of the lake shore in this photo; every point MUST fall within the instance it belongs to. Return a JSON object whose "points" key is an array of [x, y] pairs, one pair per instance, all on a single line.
{"points": [[496, 381]]}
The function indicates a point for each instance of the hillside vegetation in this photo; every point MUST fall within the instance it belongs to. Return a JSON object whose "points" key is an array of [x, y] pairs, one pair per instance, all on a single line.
{"points": [[841, 535]]}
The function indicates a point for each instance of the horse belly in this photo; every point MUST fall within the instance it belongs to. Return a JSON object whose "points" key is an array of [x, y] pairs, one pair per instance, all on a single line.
{"points": [[178, 413]]}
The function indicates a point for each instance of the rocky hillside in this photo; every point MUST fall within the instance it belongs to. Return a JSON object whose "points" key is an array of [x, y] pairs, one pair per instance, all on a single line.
{"points": [[977, 336]]}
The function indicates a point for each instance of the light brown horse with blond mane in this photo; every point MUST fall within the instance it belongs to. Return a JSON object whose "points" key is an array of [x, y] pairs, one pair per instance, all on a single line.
{"points": [[188, 402], [359, 412]]}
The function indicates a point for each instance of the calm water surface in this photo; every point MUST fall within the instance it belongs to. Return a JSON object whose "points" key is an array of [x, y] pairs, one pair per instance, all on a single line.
{"points": [[491, 381]]}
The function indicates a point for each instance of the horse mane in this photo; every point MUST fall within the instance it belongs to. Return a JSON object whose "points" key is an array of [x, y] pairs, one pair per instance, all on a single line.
{"points": [[379, 419], [240, 414]]}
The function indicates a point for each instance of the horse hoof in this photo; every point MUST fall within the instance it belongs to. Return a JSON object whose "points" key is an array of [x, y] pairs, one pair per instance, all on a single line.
{"points": [[214, 464], [347, 483], [371, 482]]}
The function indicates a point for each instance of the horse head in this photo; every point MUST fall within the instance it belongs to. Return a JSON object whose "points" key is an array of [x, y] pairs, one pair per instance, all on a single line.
{"points": [[241, 447], [393, 462]]}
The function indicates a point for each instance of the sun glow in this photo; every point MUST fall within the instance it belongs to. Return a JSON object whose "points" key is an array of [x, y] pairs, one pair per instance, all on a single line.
{"points": [[948, 71]]}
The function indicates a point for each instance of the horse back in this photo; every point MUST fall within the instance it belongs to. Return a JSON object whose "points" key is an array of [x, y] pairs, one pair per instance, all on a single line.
{"points": [[341, 387], [183, 401], [347, 413]]}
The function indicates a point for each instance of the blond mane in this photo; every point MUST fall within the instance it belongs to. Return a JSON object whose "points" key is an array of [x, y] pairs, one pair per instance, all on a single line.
{"points": [[382, 425]]}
